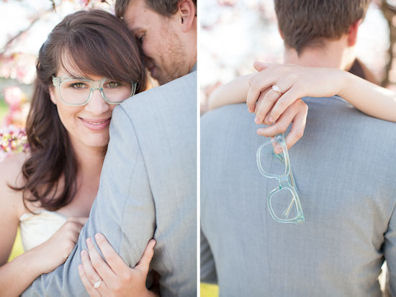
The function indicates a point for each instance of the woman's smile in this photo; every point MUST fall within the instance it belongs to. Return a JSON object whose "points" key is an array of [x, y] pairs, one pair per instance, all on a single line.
{"points": [[96, 124]]}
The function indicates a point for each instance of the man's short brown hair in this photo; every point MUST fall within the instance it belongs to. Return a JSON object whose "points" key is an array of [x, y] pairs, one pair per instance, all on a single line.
{"points": [[163, 7], [306, 23]]}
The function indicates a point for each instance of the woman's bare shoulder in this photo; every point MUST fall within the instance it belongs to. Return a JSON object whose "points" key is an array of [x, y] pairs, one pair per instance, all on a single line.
{"points": [[11, 175]]}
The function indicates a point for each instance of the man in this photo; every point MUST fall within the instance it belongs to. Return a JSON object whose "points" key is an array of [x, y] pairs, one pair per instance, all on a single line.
{"points": [[343, 171], [167, 32], [148, 181], [325, 35]]}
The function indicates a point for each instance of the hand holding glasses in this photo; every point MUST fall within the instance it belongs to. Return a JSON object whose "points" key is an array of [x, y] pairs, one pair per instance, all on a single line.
{"points": [[283, 201]]}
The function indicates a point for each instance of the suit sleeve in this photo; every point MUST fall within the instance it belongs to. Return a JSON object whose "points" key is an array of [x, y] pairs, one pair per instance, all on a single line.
{"points": [[208, 268], [390, 254], [123, 211]]}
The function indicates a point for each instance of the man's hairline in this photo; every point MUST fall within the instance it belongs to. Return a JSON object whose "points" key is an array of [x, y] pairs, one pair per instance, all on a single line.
{"points": [[146, 6]]}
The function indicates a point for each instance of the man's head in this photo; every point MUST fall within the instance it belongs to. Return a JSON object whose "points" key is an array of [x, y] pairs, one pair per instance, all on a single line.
{"points": [[313, 24], [167, 30]]}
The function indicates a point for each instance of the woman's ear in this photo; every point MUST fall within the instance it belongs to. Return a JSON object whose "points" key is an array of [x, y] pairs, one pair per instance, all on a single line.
{"points": [[187, 14], [52, 94]]}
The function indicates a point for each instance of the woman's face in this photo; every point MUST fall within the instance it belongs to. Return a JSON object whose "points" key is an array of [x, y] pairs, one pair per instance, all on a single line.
{"points": [[87, 125]]}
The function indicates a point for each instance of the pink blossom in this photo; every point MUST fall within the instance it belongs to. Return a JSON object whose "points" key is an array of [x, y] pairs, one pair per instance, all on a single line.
{"points": [[14, 96]]}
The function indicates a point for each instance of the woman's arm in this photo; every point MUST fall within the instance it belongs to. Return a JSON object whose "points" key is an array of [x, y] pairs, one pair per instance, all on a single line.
{"points": [[12, 280], [17, 275], [230, 93], [282, 106], [295, 82], [369, 98], [237, 91]]}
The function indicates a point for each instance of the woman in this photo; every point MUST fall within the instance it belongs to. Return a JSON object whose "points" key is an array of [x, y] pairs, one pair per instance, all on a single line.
{"points": [[274, 95], [81, 76]]}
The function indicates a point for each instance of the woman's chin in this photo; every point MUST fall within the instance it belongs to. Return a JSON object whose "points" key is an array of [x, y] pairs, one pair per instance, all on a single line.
{"points": [[96, 141]]}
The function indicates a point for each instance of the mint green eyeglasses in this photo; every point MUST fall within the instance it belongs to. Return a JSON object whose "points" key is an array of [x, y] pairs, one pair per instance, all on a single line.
{"points": [[78, 91], [283, 201]]}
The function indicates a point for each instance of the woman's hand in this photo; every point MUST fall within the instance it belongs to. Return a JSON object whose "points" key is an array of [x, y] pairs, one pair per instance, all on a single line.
{"points": [[58, 247], [296, 115], [111, 277], [275, 94], [293, 82]]}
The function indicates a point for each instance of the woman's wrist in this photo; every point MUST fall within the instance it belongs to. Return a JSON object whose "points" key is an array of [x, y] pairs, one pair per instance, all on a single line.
{"points": [[346, 81], [32, 260]]}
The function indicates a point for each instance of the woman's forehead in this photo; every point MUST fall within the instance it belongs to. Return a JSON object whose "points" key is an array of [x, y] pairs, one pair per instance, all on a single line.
{"points": [[68, 68]]}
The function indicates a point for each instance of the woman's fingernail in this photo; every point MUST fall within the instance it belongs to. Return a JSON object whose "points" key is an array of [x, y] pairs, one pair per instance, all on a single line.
{"points": [[270, 119]]}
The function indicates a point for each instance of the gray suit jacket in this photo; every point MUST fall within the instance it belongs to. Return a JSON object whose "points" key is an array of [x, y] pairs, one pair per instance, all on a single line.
{"points": [[147, 189], [345, 170]]}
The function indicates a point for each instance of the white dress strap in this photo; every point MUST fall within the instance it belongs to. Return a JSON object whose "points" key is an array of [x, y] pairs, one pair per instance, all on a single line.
{"points": [[39, 227]]}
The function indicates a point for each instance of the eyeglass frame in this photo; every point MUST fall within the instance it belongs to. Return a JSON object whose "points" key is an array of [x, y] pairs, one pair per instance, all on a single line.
{"points": [[57, 81], [286, 181]]}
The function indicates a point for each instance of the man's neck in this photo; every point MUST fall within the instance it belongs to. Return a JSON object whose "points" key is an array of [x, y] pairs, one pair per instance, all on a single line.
{"points": [[334, 55]]}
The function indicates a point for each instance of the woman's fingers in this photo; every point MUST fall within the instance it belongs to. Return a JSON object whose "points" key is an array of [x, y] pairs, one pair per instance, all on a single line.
{"points": [[257, 84], [260, 66], [87, 284], [284, 101], [269, 98], [95, 280], [298, 126], [296, 114], [115, 262], [90, 272], [100, 266], [280, 126], [148, 254]]}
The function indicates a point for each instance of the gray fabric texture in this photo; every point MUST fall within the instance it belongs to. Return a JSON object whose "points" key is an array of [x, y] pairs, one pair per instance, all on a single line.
{"points": [[345, 171], [147, 189]]}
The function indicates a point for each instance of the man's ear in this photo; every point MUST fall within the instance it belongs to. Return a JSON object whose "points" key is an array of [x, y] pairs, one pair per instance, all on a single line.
{"points": [[353, 33], [187, 14], [281, 33]]}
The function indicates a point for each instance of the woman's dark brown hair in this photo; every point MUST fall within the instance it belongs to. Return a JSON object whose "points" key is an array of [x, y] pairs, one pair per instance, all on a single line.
{"points": [[97, 43]]}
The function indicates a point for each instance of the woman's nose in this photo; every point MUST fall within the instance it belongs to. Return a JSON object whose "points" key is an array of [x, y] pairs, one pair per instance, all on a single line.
{"points": [[97, 104]]}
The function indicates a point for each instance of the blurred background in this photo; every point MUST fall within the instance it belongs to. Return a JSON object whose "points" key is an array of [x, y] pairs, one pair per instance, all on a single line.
{"points": [[235, 33], [24, 27]]}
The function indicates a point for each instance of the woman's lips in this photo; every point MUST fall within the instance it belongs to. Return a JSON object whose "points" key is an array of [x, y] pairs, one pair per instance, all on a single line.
{"points": [[98, 124]]}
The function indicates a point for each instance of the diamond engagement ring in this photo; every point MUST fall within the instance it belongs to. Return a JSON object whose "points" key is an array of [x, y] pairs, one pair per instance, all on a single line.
{"points": [[97, 284], [276, 89]]}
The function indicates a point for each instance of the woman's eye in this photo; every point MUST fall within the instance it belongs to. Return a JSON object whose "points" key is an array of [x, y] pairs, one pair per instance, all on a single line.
{"points": [[78, 85], [112, 84]]}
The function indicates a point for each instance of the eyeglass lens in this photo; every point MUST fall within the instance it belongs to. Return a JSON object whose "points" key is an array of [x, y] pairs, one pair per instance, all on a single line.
{"points": [[283, 204], [271, 164], [78, 91]]}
